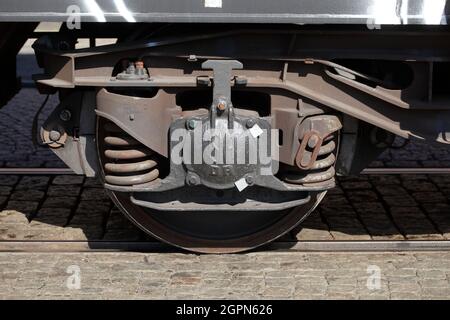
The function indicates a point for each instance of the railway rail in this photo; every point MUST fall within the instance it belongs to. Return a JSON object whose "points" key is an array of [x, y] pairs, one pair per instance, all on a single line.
{"points": [[302, 246], [368, 171]]}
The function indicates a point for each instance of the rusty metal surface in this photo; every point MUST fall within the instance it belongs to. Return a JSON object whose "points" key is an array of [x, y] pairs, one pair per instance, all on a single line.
{"points": [[145, 119], [400, 111]]}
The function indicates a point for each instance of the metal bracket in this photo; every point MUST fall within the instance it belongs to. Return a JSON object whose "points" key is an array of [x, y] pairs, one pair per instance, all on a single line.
{"points": [[222, 106], [222, 77]]}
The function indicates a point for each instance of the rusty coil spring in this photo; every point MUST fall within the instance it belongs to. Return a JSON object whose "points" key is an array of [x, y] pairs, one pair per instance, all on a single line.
{"points": [[129, 162], [323, 168]]}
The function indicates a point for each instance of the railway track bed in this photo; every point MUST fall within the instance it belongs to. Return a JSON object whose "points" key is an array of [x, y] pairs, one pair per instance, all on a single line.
{"points": [[158, 247], [51, 210]]}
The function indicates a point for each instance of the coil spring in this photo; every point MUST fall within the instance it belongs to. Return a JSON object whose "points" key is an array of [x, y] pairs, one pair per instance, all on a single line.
{"points": [[129, 162], [323, 168]]}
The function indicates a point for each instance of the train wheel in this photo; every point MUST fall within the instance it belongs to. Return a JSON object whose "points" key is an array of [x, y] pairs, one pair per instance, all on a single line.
{"points": [[206, 232]]}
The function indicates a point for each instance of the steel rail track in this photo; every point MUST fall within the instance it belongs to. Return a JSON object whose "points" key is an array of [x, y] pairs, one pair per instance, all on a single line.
{"points": [[303, 246], [368, 171]]}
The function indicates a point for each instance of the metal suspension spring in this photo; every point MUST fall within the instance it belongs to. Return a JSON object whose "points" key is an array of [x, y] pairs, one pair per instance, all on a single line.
{"points": [[322, 169], [129, 162]]}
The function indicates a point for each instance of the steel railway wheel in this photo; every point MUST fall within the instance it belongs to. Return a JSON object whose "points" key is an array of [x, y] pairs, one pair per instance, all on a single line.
{"points": [[206, 232]]}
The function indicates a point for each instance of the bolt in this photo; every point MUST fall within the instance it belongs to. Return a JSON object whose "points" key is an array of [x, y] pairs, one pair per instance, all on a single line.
{"points": [[54, 135], [131, 68], [250, 123], [203, 81], [221, 106], [192, 58], [250, 181], [140, 70], [65, 115], [192, 179], [139, 64], [312, 142], [191, 124], [240, 81]]}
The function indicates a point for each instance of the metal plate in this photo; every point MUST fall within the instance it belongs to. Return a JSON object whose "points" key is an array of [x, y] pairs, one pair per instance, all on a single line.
{"points": [[370, 12]]}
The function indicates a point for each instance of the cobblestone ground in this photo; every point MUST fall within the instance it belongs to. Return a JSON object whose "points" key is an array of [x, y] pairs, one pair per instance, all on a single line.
{"points": [[360, 208], [250, 276], [414, 207]]}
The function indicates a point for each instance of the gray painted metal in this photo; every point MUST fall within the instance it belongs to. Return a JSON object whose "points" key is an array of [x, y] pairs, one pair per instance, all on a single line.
{"points": [[370, 12]]}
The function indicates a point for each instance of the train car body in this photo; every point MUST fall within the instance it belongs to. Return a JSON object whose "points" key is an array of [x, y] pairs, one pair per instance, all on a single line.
{"points": [[219, 125]]}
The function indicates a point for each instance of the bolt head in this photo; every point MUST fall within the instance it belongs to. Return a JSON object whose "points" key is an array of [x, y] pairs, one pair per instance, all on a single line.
{"points": [[221, 106], [191, 124], [54, 135], [240, 81], [250, 123], [139, 64], [203, 81], [250, 180], [312, 142], [193, 180], [65, 115]]}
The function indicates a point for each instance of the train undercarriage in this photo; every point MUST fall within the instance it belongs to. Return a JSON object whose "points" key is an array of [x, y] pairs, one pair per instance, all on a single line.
{"points": [[222, 138]]}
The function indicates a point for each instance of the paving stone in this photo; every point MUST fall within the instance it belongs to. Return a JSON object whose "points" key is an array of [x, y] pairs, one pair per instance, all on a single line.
{"points": [[414, 223], [93, 183], [60, 202], [429, 197], [313, 234], [94, 194], [33, 183], [122, 279], [385, 180], [356, 185], [25, 207], [5, 191], [93, 206], [28, 195], [3, 201], [53, 216], [63, 190], [420, 187], [12, 217], [68, 180], [391, 190], [344, 234], [400, 200], [6, 180], [362, 196]]}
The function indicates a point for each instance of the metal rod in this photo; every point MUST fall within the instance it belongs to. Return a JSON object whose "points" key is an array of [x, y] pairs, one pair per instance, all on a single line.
{"points": [[368, 171], [36, 171], [301, 246], [376, 171], [363, 246]]}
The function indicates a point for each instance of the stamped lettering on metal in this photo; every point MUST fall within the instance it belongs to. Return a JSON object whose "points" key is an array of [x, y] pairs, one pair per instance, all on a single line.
{"points": [[213, 3]]}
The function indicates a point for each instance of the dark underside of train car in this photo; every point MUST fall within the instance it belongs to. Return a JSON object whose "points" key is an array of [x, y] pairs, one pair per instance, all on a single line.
{"points": [[221, 138]]}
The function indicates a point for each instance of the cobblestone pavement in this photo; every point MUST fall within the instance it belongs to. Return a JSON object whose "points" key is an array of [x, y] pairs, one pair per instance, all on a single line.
{"points": [[250, 276], [360, 208]]}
